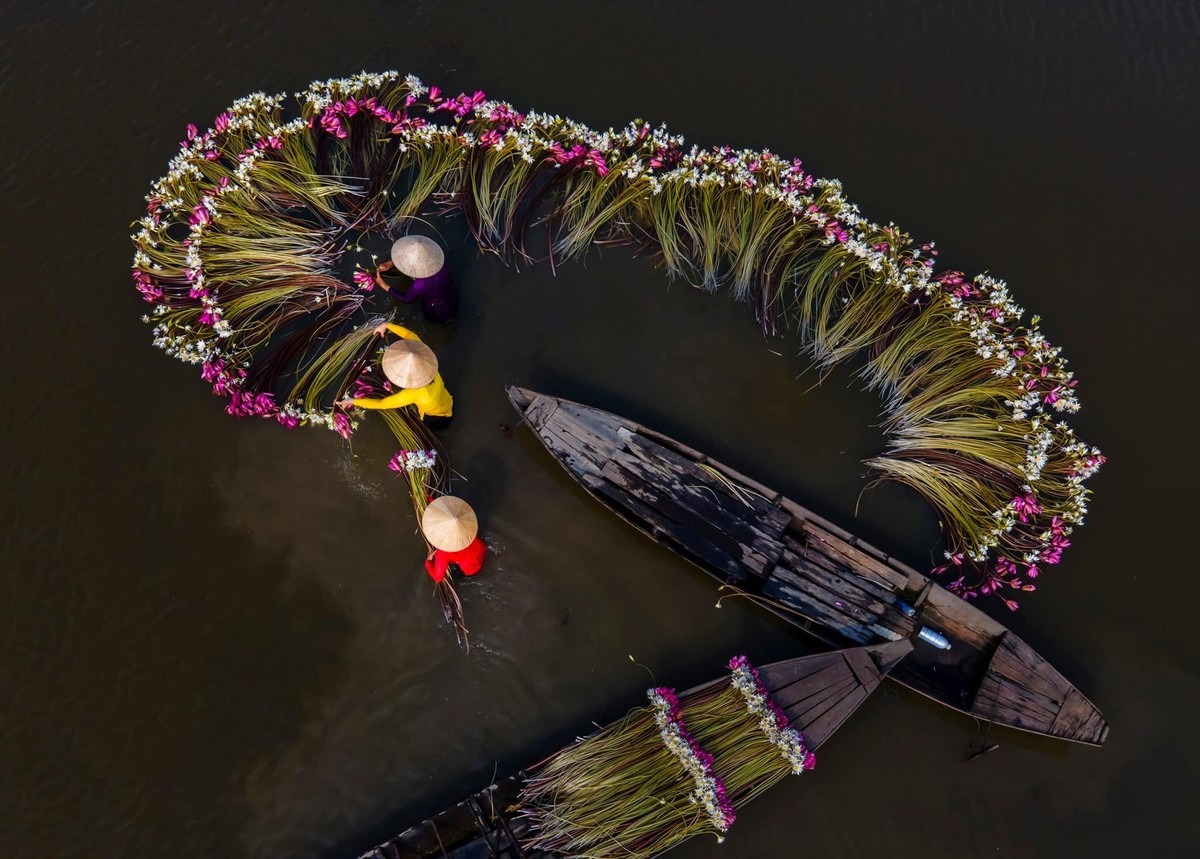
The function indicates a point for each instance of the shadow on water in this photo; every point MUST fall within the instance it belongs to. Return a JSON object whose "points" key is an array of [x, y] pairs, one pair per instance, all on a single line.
{"points": [[153, 709]]}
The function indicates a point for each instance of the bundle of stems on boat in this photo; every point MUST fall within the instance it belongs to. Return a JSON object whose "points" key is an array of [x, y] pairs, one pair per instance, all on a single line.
{"points": [[237, 249], [663, 773]]}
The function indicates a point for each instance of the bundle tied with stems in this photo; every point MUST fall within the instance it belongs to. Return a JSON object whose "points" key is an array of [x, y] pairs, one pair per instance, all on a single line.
{"points": [[238, 246], [664, 773]]}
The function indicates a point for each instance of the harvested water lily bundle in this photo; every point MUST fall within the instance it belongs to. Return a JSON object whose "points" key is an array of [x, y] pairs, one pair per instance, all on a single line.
{"points": [[664, 773], [238, 250]]}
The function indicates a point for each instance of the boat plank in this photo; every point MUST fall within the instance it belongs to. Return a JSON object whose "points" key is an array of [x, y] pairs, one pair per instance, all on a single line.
{"points": [[540, 411], [855, 557], [1017, 660], [747, 522], [664, 503], [775, 519], [866, 582], [816, 703], [762, 551], [1079, 719], [783, 592], [821, 597], [864, 668], [782, 674], [847, 589], [830, 675], [688, 542], [859, 597], [574, 433], [995, 695], [570, 451], [833, 718], [811, 708]]}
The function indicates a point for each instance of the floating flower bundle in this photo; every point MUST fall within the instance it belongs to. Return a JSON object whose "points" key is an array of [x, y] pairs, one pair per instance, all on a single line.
{"points": [[237, 251], [662, 774]]}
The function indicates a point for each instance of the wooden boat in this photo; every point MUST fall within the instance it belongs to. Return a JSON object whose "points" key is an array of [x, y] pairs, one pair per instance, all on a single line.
{"points": [[817, 692], [807, 570]]}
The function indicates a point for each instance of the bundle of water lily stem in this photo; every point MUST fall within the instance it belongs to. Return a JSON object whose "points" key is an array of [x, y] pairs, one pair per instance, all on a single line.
{"points": [[664, 773], [237, 252]]}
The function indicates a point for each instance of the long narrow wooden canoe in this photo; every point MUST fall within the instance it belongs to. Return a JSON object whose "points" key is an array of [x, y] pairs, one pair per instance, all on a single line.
{"points": [[808, 570], [817, 692]]}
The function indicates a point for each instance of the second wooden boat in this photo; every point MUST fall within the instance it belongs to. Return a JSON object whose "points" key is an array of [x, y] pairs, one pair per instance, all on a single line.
{"points": [[818, 693], [808, 570]]}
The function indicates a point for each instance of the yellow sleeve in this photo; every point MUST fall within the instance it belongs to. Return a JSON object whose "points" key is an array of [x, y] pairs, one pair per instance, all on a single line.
{"points": [[396, 401], [401, 331]]}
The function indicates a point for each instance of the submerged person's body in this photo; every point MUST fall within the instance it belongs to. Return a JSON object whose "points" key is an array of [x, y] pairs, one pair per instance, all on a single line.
{"points": [[468, 561], [451, 529], [437, 293], [421, 384]]}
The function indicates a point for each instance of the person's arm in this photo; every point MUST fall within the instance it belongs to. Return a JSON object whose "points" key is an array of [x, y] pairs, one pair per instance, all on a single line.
{"points": [[398, 400], [416, 291], [437, 566], [379, 281], [401, 331]]}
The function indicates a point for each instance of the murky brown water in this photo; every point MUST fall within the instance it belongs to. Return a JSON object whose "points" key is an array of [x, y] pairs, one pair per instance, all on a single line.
{"points": [[215, 640]]}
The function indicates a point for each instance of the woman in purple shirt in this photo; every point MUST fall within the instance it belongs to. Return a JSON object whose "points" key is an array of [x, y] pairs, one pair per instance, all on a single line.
{"points": [[422, 260]]}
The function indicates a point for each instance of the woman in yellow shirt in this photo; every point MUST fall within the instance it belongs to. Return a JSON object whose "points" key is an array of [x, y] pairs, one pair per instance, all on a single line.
{"points": [[411, 365]]}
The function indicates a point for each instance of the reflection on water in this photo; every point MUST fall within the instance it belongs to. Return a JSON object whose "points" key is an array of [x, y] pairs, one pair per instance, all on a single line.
{"points": [[218, 639]]}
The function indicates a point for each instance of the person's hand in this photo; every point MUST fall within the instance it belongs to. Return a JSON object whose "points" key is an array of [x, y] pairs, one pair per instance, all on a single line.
{"points": [[344, 404], [381, 329], [429, 555]]}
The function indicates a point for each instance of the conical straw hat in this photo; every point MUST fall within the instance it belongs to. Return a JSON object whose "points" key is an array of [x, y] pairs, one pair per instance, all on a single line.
{"points": [[417, 256], [409, 364], [449, 523]]}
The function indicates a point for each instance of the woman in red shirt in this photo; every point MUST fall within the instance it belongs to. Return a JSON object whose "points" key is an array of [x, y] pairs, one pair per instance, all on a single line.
{"points": [[450, 526]]}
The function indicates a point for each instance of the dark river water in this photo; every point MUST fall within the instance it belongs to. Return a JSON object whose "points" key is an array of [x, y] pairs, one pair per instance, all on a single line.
{"points": [[216, 640]]}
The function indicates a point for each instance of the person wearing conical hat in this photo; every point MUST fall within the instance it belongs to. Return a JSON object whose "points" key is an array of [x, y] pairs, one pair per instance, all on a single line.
{"points": [[411, 365], [450, 526], [421, 259]]}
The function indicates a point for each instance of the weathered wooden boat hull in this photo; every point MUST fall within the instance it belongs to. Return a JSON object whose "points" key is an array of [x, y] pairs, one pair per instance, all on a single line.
{"points": [[817, 692], [806, 569]]}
